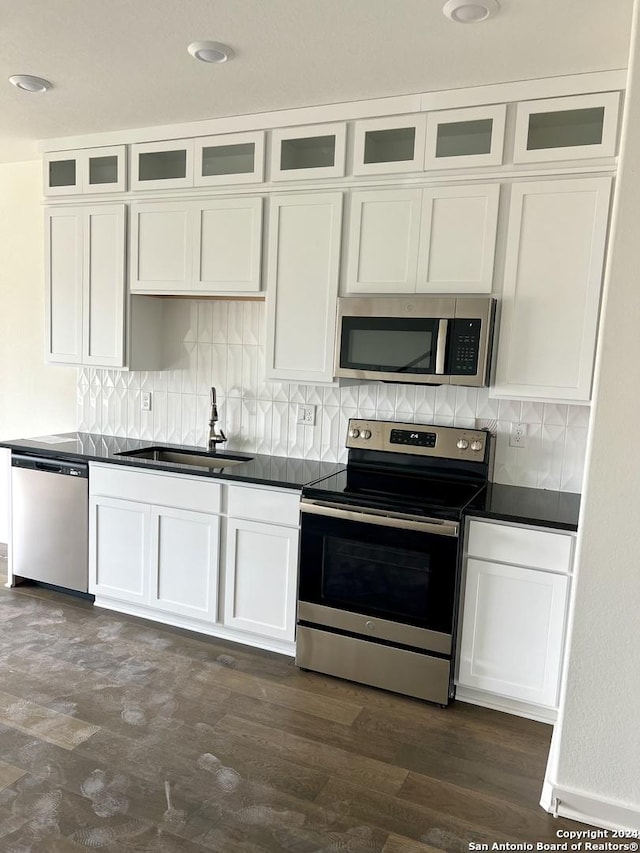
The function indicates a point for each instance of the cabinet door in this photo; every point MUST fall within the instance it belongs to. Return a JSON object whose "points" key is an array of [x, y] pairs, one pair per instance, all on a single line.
{"points": [[104, 170], [387, 145], [384, 230], [119, 549], [567, 128], [184, 562], [162, 165], [553, 271], [62, 173], [162, 247], [232, 158], [63, 280], [465, 138], [458, 239], [300, 153], [513, 631], [229, 245], [104, 285], [304, 258], [260, 578]]}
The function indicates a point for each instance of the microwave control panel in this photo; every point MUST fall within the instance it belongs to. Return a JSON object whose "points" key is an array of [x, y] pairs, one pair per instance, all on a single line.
{"points": [[464, 342]]}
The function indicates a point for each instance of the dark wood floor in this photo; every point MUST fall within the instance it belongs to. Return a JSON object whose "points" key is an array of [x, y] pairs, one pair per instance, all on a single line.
{"points": [[120, 735]]}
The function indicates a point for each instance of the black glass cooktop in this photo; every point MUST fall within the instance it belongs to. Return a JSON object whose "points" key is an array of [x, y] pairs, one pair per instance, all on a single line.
{"points": [[416, 494]]}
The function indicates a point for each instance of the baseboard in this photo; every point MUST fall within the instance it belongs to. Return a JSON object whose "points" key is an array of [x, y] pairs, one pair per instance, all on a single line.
{"points": [[585, 808], [507, 706]]}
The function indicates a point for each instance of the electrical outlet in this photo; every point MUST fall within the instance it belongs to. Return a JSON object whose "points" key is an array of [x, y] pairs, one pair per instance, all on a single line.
{"points": [[518, 437], [145, 401], [307, 415]]}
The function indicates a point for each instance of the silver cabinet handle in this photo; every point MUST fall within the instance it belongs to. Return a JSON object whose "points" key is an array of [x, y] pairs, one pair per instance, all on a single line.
{"points": [[399, 521]]}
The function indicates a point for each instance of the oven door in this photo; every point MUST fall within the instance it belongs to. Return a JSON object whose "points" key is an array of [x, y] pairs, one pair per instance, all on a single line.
{"points": [[390, 578]]}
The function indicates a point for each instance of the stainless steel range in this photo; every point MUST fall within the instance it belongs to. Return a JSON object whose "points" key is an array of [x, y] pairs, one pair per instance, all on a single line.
{"points": [[379, 565]]}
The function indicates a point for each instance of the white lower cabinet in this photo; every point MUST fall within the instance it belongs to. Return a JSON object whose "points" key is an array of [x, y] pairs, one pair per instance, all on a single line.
{"points": [[514, 617], [260, 578], [161, 547]]}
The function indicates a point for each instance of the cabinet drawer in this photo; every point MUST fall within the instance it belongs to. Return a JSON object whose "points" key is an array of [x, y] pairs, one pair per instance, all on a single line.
{"points": [[522, 546], [184, 492], [271, 505]]}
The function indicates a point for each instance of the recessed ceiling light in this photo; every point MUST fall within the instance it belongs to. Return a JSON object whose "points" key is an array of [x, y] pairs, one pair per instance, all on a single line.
{"points": [[470, 11], [210, 51], [28, 83]]}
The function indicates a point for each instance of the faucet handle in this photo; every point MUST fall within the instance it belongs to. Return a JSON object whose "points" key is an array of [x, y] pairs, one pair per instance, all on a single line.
{"points": [[213, 396]]}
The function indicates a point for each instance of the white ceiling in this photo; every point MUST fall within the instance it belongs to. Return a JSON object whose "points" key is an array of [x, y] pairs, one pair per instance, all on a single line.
{"points": [[118, 64]]}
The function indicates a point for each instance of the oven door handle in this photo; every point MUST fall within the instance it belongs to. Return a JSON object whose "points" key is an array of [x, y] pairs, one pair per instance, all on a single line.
{"points": [[397, 520]]}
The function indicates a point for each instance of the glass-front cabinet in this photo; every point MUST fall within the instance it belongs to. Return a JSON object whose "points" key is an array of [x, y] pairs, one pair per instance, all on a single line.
{"points": [[391, 144], [465, 138], [308, 152], [234, 158], [573, 128], [162, 165], [91, 170]]}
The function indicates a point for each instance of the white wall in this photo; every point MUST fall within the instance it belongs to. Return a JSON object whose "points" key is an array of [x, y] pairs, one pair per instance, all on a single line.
{"points": [[34, 399], [594, 769]]}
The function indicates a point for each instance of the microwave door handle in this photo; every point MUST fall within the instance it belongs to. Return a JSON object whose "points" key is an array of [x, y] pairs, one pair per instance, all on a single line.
{"points": [[441, 345]]}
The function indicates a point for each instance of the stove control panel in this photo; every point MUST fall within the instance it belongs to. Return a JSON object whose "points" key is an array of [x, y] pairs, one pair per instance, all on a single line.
{"points": [[421, 440]]}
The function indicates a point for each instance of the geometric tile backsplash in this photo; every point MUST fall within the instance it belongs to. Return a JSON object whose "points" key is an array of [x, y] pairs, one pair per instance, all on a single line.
{"points": [[221, 343]]}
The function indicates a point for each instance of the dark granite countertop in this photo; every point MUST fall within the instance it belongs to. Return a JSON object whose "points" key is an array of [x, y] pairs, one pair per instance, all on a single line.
{"points": [[517, 504], [259, 468], [521, 505]]}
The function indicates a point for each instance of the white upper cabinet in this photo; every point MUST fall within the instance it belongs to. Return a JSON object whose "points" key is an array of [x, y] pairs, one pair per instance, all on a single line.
{"points": [[573, 128], [197, 247], [85, 285], [439, 240], [465, 138], [458, 239], [387, 145], [302, 286], [302, 153], [384, 233], [234, 158], [90, 170], [228, 245], [162, 165], [554, 261]]}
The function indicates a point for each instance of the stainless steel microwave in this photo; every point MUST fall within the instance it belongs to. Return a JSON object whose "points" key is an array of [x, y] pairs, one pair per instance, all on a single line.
{"points": [[426, 340]]}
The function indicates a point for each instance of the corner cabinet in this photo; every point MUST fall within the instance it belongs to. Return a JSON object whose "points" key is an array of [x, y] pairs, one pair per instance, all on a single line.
{"points": [[514, 617], [435, 240], [302, 286], [557, 233], [197, 248]]}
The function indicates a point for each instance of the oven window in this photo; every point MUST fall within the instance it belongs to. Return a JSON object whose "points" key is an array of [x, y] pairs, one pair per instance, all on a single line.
{"points": [[370, 579], [388, 344]]}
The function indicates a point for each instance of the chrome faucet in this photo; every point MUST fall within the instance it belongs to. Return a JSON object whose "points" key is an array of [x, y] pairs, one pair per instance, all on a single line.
{"points": [[216, 436]]}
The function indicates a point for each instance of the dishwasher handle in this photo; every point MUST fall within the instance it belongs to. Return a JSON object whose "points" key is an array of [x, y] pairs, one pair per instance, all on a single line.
{"points": [[50, 465]]}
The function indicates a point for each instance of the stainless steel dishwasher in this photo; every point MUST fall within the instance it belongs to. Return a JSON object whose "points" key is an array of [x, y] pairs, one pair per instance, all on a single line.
{"points": [[50, 521]]}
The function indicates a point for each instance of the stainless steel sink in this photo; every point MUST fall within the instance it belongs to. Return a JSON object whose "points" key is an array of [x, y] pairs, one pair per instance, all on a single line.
{"points": [[213, 461]]}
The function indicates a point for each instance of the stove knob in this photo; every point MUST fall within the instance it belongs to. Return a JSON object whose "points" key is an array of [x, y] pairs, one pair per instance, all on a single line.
{"points": [[354, 433], [366, 433], [462, 444], [476, 445]]}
